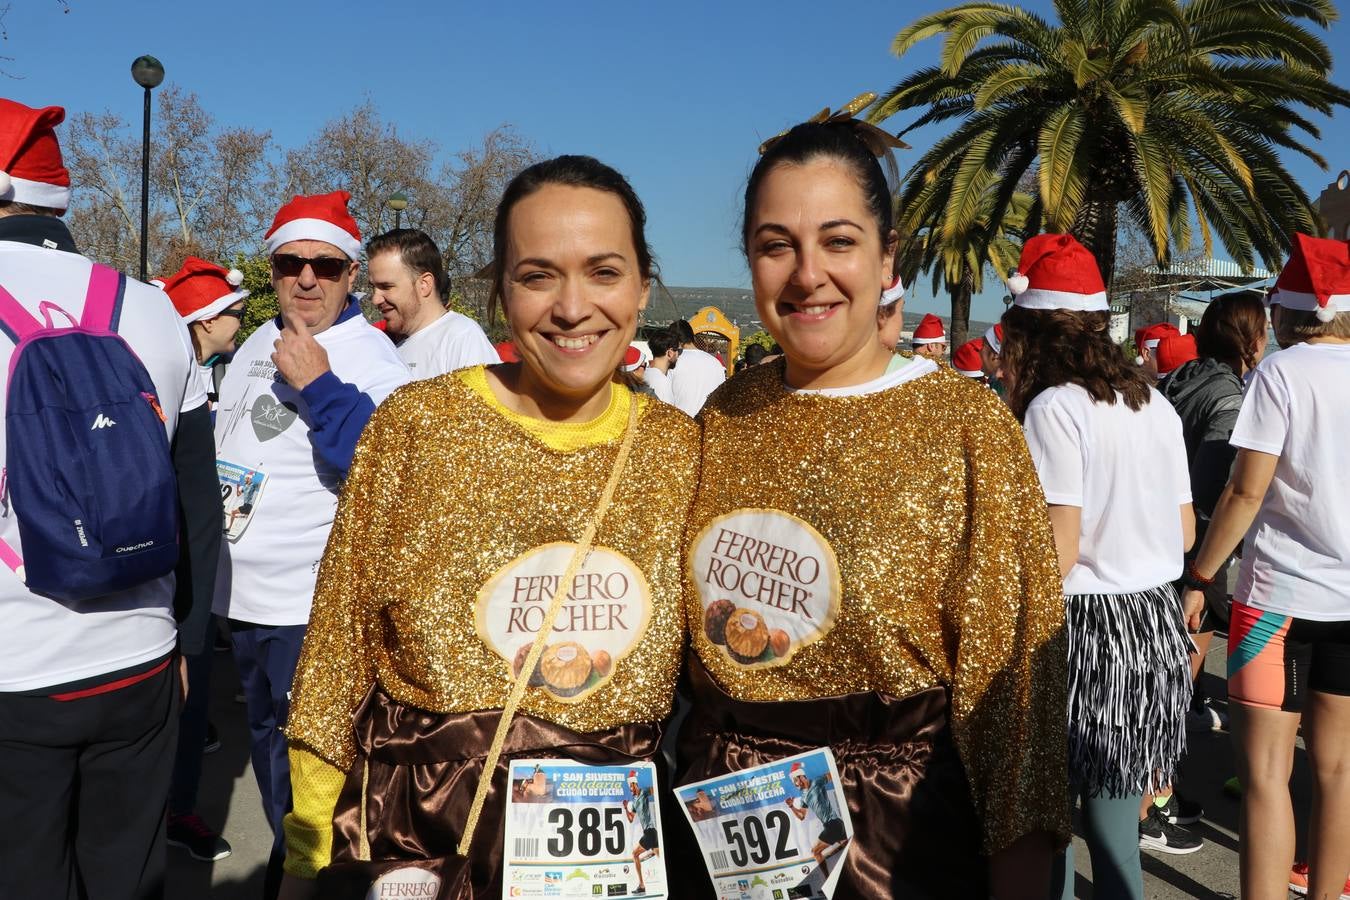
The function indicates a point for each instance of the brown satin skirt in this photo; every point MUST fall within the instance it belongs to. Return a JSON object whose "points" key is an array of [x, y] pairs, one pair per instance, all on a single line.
{"points": [[916, 834], [422, 769]]}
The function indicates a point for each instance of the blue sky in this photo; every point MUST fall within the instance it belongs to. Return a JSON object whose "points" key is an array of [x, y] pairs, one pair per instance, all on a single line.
{"points": [[676, 95]]}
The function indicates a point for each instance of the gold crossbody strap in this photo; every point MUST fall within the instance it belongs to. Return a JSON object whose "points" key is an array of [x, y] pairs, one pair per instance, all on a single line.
{"points": [[546, 628]]}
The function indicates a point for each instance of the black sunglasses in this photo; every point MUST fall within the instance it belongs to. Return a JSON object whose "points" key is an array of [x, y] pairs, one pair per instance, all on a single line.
{"points": [[329, 268], [233, 313]]}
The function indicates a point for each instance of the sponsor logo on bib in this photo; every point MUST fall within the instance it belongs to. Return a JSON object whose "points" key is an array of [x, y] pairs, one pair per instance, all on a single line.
{"points": [[769, 584], [605, 614]]}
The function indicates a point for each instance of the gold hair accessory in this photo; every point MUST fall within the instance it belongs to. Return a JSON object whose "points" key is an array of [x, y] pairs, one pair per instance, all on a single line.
{"points": [[878, 141]]}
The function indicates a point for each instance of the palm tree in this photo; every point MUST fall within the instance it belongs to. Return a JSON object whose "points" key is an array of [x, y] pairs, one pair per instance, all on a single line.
{"points": [[958, 261], [1173, 109]]}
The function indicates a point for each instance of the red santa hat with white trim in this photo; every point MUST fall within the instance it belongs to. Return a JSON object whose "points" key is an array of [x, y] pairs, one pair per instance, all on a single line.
{"points": [[1057, 272], [930, 331], [1148, 338], [1174, 351], [994, 337], [31, 170], [321, 217], [632, 776], [1316, 278], [894, 293], [201, 289], [966, 359]]}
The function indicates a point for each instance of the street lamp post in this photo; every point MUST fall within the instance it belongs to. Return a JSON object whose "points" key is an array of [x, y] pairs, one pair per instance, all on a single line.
{"points": [[148, 73], [398, 203]]}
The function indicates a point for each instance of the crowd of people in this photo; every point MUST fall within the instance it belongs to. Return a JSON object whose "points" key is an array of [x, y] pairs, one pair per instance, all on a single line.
{"points": [[434, 557]]}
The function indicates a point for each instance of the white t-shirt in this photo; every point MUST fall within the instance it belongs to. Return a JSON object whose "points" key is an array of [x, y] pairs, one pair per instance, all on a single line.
{"points": [[695, 376], [900, 370], [1127, 472], [44, 643], [659, 382], [267, 575], [1296, 559], [451, 342]]}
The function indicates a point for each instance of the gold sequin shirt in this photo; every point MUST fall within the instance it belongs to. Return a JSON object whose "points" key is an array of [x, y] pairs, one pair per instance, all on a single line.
{"points": [[447, 530], [889, 542]]}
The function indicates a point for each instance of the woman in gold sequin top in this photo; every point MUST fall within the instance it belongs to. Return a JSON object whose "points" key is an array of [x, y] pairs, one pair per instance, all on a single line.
{"points": [[465, 498], [870, 564]]}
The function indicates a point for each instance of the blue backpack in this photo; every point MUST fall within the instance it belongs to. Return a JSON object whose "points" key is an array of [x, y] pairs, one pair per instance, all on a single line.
{"points": [[87, 464]]}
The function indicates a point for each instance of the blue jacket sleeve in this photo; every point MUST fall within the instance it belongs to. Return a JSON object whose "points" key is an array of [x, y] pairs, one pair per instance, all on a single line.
{"points": [[338, 413]]}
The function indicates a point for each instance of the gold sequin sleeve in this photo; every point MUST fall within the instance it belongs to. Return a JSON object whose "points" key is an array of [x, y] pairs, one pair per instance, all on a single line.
{"points": [[1005, 608], [337, 666]]}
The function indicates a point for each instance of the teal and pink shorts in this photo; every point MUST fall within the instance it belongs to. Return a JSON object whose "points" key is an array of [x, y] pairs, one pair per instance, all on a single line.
{"points": [[1274, 660]]}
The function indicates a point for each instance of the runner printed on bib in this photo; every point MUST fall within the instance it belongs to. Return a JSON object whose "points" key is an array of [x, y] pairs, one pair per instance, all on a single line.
{"points": [[769, 584], [777, 830], [240, 490], [604, 617], [574, 830]]}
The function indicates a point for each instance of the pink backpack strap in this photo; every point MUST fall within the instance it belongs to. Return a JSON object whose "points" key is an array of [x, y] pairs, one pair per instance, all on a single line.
{"points": [[103, 299], [11, 559], [16, 321]]}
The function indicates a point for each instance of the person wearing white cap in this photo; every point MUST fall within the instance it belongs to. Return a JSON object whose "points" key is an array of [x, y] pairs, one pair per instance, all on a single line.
{"points": [[407, 279], [1112, 463], [91, 688], [930, 338], [292, 405], [1289, 628]]}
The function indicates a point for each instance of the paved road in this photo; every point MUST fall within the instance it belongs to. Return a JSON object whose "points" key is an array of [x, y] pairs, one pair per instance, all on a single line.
{"points": [[230, 798]]}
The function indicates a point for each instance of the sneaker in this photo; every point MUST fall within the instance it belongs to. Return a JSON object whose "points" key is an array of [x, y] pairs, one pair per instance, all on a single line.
{"points": [[1156, 833], [190, 832], [212, 739], [1298, 881], [1206, 718], [1180, 811]]}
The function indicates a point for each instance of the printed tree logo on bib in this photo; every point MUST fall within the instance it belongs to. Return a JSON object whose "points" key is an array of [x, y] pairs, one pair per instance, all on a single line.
{"points": [[769, 584], [606, 613]]}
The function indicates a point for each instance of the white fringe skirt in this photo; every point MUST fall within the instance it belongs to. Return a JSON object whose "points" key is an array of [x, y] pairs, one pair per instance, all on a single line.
{"points": [[1129, 689]]}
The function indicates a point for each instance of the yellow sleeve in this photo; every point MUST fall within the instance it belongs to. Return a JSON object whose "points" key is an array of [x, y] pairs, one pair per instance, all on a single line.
{"points": [[315, 786], [1006, 607]]}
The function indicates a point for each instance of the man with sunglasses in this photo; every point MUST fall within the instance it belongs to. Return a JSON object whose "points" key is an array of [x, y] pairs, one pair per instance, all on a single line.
{"points": [[292, 405]]}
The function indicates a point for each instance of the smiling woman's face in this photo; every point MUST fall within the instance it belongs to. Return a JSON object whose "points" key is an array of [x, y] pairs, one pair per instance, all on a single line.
{"points": [[818, 266], [572, 288]]}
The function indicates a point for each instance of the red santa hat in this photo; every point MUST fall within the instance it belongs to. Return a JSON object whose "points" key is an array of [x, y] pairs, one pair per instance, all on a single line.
{"points": [[201, 289], [797, 769], [930, 331], [1057, 272], [635, 357], [994, 337], [1316, 278], [966, 359], [1148, 337], [506, 351], [322, 217], [1174, 351], [31, 170], [894, 293], [632, 776]]}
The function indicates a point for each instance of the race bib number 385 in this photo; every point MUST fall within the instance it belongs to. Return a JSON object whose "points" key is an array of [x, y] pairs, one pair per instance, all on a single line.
{"points": [[574, 830], [769, 584], [776, 831]]}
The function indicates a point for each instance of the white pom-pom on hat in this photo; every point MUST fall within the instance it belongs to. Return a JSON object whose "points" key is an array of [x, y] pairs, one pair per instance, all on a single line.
{"points": [[1138, 360], [1018, 283], [1326, 313], [5, 183], [234, 277]]}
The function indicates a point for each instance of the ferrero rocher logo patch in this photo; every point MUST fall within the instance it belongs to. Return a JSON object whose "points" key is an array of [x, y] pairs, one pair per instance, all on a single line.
{"points": [[605, 614], [769, 584], [409, 881]]}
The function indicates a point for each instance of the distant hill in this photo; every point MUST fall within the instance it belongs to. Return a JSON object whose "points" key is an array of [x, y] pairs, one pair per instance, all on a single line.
{"points": [[670, 302]]}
